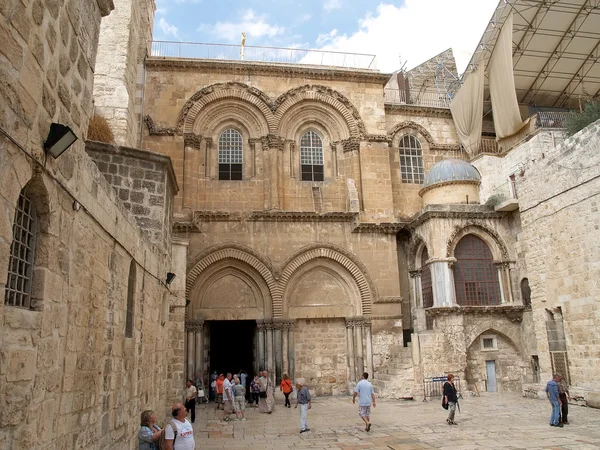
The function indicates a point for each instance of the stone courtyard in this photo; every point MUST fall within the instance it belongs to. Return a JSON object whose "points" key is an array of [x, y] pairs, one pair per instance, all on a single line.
{"points": [[491, 421]]}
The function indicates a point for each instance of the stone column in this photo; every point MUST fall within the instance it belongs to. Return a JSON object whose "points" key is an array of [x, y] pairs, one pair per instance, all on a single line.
{"points": [[358, 348], [442, 280], [369, 346], [294, 160], [508, 282], [270, 357], [350, 349], [285, 350], [500, 274], [190, 332], [260, 325], [199, 330], [291, 325], [277, 350]]}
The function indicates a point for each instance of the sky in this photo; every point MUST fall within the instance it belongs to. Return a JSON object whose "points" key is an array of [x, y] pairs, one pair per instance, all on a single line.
{"points": [[400, 33]]}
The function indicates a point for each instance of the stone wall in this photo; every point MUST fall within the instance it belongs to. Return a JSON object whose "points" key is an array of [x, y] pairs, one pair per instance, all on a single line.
{"points": [[125, 39], [144, 182], [559, 213], [69, 377], [320, 355]]}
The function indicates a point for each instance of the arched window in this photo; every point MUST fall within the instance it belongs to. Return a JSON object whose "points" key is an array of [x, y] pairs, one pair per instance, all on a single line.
{"points": [[230, 155], [411, 160], [475, 277], [22, 254], [526, 292], [426, 289], [130, 300], [311, 157]]}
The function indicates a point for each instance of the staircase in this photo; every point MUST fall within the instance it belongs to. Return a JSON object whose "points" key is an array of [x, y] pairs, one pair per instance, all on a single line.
{"points": [[395, 378]]}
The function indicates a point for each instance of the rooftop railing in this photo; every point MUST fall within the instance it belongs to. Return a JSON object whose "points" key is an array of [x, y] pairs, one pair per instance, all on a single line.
{"points": [[278, 55], [414, 97]]}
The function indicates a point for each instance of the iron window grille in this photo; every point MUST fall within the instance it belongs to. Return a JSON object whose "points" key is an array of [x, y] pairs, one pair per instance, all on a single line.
{"points": [[311, 157], [22, 255], [230, 155], [411, 160], [475, 277]]}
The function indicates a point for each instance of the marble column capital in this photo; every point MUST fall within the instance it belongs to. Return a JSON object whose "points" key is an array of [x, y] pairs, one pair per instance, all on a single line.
{"points": [[193, 327], [415, 273]]}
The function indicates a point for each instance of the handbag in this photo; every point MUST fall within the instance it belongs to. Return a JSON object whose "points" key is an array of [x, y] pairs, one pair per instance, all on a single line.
{"points": [[262, 394], [444, 403], [200, 393]]}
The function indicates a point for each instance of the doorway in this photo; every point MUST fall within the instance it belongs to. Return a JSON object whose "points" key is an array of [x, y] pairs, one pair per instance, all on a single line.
{"points": [[490, 369], [231, 346]]}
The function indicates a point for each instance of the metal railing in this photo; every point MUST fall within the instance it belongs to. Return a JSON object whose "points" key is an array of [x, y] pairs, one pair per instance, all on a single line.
{"points": [[552, 119], [414, 97], [227, 52], [434, 386]]}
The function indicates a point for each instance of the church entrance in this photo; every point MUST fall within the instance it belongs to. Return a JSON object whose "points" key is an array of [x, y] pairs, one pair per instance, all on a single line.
{"points": [[232, 346]]}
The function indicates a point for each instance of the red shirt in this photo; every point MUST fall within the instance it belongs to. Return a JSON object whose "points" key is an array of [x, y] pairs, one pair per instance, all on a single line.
{"points": [[286, 386], [219, 386]]}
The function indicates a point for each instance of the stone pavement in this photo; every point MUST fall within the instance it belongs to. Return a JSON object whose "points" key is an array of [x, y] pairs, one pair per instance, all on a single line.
{"points": [[503, 421]]}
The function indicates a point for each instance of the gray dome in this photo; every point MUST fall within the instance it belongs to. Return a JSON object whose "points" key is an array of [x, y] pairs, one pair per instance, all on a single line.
{"points": [[451, 170]]}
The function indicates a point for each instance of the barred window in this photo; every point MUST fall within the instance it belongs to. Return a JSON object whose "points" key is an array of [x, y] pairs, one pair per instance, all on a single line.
{"points": [[411, 160], [475, 277], [311, 157], [130, 300], [22, 254], [426, 287], [230, 155]]}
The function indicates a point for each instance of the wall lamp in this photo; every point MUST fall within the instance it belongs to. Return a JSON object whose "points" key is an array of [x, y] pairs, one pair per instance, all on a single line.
{"points": [[170, 277], [59, 139]]}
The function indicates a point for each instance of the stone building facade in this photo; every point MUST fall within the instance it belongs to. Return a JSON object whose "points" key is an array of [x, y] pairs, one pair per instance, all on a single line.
{"points": [[86, 318]]}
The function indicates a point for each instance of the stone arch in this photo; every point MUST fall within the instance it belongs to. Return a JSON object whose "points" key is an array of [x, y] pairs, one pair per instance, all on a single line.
{"points": [[337, 254], [219, 91], [397, 132], [240, 253], [490, 237], [415, 250], [303, 113], [325, 95], [511, 331], [212, 115]]}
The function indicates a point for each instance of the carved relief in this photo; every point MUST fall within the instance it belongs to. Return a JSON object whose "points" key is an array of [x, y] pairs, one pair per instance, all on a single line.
{"points": [[155, 130], [396, 133], [192, 140]]}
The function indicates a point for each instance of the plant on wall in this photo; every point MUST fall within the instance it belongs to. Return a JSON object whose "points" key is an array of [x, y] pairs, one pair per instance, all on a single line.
{"points": [[99, 130], [577, 122]]}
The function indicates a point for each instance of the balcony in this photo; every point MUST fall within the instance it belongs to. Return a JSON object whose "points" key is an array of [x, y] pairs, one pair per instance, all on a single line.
{"points": [[504, 197], [413, 97], [271, 55]]}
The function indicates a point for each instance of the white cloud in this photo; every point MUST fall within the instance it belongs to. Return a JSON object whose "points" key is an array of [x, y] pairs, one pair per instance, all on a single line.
{"points": [[416, 31], [167, 29], [255, 26], [330, 5], [323, 39]]}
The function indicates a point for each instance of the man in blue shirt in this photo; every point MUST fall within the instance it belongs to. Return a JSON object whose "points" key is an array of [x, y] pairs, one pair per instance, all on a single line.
{"points": [[366, 396], [553, 395]]}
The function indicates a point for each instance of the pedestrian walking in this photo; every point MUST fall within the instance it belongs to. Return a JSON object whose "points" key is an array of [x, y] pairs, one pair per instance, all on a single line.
{"points": [[303, 399], [254, 391], [227, 397], [552, 393], [451, 398], [239, 399], [219, 390], [266, 404], [287, 388], [190, 399], [366, 396], [564, 396]]}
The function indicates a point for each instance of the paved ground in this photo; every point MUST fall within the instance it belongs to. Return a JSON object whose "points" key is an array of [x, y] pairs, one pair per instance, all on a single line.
{"points": [[503, 421]]}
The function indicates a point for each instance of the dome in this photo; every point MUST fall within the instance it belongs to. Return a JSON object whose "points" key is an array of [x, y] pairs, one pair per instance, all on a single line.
{"points": [[449, 170]]}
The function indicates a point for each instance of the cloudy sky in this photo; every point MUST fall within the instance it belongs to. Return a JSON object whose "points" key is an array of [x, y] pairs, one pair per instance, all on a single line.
{"points": [[396, 31]]}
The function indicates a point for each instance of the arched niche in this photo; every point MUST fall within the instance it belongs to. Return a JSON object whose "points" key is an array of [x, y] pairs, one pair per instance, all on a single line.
{"points": [[229, 290], [321, 288]]}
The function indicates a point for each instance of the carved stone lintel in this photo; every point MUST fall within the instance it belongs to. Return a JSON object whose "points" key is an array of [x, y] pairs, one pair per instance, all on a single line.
{"points": [[192, 140], [388, 300], [350, 145], [379, 138], [513, 312], [155, 130]]}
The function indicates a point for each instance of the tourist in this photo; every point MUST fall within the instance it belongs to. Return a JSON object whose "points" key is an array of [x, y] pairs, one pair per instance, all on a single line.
{"points": [[219, 390], [239, 399], [190, 398], [227, 397], [303, 399], [266, 402], [552, 393], [213, 386], [450, 398], [366, 396], [254, 391], [183, 428], [287, 388], [149, 432], [244, 378], [201, 393], [564, 396]]}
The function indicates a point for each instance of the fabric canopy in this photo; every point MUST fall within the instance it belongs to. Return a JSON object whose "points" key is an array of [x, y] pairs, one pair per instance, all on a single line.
{"points": [[507, 119], [467, 110]]}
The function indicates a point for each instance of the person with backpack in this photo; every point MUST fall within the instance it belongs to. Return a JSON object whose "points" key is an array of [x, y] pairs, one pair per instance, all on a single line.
{"points": [[287, 388], [179, 434], [450, 399], [149, 433]]}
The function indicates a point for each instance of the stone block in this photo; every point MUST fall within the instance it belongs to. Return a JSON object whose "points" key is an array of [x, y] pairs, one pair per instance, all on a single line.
{"points": [[21, 364]]}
